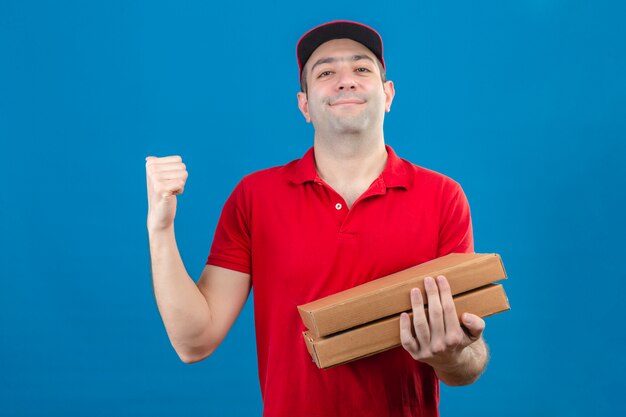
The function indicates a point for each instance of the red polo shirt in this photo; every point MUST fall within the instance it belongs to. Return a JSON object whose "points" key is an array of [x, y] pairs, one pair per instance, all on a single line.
{"points": [[299, 241]]}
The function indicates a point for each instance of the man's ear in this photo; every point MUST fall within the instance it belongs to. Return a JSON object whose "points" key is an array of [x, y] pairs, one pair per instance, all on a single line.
{"points": [[303, 105], [390, 92]]}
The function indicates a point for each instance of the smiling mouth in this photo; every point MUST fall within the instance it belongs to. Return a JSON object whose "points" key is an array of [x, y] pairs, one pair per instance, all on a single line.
{"points": [[346, 102]]}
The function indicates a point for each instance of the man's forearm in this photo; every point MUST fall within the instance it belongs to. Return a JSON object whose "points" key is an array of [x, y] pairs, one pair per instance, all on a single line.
{"points": [[183, 308], [472, 363]]}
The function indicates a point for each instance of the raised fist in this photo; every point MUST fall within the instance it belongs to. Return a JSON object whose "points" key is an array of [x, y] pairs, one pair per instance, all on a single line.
{"points": [[165, 178]]}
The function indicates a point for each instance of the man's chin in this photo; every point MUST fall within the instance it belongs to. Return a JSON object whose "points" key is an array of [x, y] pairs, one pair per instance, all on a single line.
{"points": [[349, 128]]}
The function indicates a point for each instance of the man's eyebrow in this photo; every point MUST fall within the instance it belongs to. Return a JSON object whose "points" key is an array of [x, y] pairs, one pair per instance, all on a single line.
{"points": [[360, 57], [330, 60]]}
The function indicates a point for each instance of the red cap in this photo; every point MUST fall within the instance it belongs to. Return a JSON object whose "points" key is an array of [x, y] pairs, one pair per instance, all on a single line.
{"points": [[338, 29]]}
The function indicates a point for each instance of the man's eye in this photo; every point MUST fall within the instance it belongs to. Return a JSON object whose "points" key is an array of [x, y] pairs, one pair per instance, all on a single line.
{"points": [[324, 74], [362, 69]]}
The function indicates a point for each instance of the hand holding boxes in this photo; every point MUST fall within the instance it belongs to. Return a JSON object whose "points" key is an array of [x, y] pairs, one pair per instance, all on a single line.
{"points": [[364, 320]]}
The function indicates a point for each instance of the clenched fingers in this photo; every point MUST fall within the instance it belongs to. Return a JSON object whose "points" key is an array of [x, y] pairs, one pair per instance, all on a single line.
{"points": [[165, 176], [165, 159]]}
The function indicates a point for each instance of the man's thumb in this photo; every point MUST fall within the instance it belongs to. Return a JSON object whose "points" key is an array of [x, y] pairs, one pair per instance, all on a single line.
{"points": [[474, 324]]}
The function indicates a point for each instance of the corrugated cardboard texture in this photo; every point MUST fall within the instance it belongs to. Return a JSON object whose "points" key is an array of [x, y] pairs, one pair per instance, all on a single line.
{"points": [[389, 295], [384, 334]]}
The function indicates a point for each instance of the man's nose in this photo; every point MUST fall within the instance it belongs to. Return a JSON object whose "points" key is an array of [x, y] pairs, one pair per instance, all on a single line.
{"points": [[346, 80]]}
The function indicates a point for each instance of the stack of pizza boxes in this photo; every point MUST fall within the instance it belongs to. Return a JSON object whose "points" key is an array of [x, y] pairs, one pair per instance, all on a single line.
{"points": [[365, 320]]}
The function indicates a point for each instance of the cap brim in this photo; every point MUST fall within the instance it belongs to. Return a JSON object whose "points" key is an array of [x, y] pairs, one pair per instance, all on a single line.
{"points": [[340, 29]]}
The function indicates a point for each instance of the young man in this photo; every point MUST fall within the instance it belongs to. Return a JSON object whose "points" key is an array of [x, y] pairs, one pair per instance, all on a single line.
{"points": [[347, 212]]}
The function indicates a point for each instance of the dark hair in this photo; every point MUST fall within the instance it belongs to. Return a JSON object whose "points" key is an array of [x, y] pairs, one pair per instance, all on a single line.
{"points": [[303, 84]]}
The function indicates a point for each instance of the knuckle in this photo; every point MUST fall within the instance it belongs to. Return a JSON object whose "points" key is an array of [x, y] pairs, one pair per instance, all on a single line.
{"points": [[449, 309], [405, 342], [431, 292], [410, 347], [437, 347], [424, 354], [421, 327], [453, 339]]}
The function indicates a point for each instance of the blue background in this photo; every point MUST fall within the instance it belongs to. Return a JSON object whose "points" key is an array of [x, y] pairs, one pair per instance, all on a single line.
{"points": [[523, 102]]}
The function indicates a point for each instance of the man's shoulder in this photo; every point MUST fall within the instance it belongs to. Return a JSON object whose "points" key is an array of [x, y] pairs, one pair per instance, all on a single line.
{"points": [[271, 176], [433, 175], [426, 177]]}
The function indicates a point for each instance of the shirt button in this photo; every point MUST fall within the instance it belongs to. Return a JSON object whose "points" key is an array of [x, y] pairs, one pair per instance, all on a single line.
{"points": [[338, 206]]}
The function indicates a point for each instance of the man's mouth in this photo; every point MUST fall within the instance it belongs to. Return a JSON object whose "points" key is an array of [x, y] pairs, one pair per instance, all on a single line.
{"points": [[343, 102]]}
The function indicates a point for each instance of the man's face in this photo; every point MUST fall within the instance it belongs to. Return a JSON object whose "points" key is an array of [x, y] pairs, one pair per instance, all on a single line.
{"points": [[345, 93]]}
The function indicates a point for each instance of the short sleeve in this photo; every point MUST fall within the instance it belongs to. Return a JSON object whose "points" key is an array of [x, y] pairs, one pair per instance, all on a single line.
{"points": [[231, 243], [455, 232]]}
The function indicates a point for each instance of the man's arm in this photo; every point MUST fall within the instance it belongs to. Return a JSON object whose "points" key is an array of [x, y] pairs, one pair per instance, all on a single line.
{"points": [[196, 317], [458, 355]]}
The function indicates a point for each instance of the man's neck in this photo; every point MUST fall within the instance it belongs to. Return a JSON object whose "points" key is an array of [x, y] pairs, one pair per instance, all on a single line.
{"points": [[349, 164]]}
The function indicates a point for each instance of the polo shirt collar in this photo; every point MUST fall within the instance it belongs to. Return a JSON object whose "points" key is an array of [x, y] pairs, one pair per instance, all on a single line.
{"points": [[394, 174]]}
